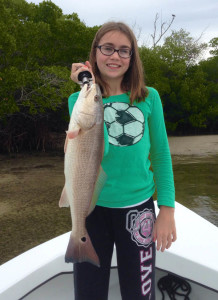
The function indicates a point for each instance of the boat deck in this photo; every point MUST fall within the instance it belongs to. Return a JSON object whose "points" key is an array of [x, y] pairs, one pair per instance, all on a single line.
{"points": [[61, 287], [41, 272]]}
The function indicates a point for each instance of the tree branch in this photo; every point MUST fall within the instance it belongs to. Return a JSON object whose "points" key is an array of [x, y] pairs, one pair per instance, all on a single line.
{"points": [[163, 30]]}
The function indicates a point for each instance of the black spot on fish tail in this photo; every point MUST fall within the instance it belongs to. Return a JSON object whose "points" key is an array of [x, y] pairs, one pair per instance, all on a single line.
{"points": [[81, 250]]}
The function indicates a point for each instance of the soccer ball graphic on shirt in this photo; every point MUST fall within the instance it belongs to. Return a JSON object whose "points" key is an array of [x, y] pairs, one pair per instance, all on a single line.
{"points": [[125, 123]]}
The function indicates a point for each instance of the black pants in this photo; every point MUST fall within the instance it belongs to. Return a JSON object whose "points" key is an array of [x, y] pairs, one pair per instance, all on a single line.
{"points": [[131, 229]]}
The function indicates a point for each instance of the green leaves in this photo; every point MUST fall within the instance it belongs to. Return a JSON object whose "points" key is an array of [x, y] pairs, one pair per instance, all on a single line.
{"points": [[187, 87], [47, 12], [34, 92], [38, 44], [214, 45]]}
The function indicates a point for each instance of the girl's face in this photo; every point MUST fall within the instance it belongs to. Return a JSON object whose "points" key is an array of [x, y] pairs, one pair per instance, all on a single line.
{"points": [[113, 67]]}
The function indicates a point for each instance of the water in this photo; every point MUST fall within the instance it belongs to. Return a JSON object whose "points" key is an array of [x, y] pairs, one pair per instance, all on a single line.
{"points": [[31, 186], [196, 182]]}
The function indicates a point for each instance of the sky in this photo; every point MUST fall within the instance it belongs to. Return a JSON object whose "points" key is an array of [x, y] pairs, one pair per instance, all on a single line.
{"points": [[198, 17]]}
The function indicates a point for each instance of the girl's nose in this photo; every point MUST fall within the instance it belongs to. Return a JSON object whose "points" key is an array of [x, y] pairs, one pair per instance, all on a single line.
{"points": [[115, 54]]}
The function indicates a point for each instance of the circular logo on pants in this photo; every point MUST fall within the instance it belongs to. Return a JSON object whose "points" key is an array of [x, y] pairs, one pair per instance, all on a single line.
{"points": [[141, 225]]}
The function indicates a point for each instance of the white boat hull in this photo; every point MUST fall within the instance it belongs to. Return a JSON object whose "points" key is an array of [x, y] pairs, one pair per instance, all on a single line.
{"points": [[41, 272]]}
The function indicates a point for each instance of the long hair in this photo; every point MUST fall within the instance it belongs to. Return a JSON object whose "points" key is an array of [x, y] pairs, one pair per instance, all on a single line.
{"points": [[133, 80]]}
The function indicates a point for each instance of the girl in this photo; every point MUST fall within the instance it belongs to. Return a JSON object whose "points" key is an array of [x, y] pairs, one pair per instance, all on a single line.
{"points": [[124, 214]]}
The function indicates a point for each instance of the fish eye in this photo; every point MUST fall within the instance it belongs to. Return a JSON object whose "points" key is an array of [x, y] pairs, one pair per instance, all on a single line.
{"points": [[96, 98]]}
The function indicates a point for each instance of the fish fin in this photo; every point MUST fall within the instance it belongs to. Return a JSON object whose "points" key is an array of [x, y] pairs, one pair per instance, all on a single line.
{"points": [[65, 144], [81, 250], [71, 134], [64, 202], [102, 177]]}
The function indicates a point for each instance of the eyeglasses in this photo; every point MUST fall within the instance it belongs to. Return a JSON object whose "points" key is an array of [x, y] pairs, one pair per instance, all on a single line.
{"points": [[108, 51]]}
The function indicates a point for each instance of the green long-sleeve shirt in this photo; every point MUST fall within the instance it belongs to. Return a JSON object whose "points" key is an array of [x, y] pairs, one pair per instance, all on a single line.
{"points": [[137, 138]]}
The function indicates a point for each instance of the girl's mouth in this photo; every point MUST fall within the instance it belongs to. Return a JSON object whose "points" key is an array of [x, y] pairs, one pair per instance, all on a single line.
{"points": [[113, 66]]}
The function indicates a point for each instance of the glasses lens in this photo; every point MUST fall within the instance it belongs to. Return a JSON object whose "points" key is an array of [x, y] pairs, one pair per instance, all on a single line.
{"points": [[107, 50], [125, 53]]}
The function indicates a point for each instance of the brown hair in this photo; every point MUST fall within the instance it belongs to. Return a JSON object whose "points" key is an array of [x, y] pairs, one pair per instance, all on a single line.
{"points": [[133, 80]]}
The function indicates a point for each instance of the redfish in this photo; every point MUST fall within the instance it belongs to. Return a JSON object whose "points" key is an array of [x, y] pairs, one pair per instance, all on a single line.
{"points": [[84, 176]]}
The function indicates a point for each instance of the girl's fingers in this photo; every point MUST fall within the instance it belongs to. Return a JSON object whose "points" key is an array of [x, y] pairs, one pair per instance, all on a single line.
{"points": [[88, 65], [161, 243], [164, 244], [169, 241], [174, 236], [76, 69], [80, 67], [77, 66], [90, 69], [164, 241], [158, 244]]}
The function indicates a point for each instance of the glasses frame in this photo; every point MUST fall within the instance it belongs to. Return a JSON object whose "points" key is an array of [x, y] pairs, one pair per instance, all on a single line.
{"points": [[114, 50]]}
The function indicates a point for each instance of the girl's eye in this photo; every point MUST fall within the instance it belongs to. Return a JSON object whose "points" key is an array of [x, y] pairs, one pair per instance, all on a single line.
{"points": [[124, 51], [108, 49]]}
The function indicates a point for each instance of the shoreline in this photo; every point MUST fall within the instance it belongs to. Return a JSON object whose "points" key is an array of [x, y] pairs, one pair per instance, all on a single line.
{"points": [[195, 145], [200, 145]]}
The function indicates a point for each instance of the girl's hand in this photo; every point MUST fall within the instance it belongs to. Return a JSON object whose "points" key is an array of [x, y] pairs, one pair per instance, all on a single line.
{"points": [[165, 228], [79, 67]]}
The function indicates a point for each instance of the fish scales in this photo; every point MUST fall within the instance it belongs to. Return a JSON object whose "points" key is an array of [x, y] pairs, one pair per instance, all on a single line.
{"points": [[86, 168], [84, 177]]}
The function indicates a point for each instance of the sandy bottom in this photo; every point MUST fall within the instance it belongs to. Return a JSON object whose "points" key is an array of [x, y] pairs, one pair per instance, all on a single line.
{"points": [[194, 145], [31, 186]]}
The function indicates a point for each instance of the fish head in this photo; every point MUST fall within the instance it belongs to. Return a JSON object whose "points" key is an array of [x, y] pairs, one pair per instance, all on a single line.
{"points": [[89, 109]]}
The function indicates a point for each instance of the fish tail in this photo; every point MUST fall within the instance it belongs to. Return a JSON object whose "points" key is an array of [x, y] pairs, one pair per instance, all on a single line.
{"points": [[81, 250]]}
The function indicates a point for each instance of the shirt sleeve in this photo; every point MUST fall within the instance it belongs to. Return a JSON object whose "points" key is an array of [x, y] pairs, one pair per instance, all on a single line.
{"points": [[160, 154], [71, 102]]}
